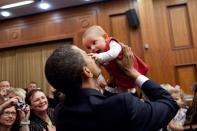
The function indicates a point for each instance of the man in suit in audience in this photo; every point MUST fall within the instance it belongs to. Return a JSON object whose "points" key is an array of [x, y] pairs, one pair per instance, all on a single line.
{"points": [[70, 70], [31, 86], [5, 84]]}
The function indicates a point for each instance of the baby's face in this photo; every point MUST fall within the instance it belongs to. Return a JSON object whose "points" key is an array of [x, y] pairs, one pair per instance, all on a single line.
{"points": [[94, 43]]}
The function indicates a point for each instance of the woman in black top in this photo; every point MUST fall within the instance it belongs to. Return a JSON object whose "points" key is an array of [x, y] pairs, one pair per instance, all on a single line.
{"points": [[41, 116]]}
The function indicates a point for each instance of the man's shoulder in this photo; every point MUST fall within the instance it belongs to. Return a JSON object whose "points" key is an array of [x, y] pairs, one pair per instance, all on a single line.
{"points": [[112, 102]]}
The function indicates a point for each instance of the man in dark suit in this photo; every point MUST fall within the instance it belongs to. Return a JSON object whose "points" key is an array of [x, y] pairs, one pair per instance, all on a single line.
{"points": [[70, 70]]}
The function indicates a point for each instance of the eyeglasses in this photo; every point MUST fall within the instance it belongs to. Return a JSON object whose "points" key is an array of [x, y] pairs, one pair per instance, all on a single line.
{"points": [[4, 86], [9, 113]]}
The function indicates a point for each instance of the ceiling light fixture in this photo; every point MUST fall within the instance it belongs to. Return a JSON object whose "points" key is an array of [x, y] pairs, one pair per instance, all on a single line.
{"points": [[17, 4], [44, 5], [5, 13]]}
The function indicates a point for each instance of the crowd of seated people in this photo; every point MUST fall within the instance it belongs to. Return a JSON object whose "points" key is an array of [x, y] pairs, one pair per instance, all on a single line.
{"points": [[186, 117], [24, 111], [14, 118]]}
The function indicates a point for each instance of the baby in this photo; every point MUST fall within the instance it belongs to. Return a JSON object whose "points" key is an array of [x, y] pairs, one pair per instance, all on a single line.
{"points": [[105, 50]]}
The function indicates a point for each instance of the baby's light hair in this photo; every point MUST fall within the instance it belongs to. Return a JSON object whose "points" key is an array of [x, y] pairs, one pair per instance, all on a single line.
{"points": [[95, 29]]}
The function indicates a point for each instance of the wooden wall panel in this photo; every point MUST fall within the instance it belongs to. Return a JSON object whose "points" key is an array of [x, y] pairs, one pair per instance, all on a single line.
{"points": [[4, 35], [21, 65], [34, 31], [182, 57], [6, 68], [193, 20], [149, 37], [169, 28], [14, 34], [119, 28], [186, 76], [180, 28], [45, 29]]}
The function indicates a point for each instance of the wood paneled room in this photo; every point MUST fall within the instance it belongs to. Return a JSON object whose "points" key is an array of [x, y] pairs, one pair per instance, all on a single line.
{"points": [[162, 33]]}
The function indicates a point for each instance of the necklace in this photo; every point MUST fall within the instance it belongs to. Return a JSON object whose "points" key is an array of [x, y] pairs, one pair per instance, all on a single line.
{"points": [[49, 122]]}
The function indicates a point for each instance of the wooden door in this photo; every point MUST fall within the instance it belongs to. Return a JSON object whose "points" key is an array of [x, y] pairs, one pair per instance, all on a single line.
{"points": [[169, 33]]}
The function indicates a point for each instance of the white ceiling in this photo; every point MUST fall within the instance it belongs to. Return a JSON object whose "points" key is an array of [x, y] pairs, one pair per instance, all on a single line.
{"points": [[33, 8]]}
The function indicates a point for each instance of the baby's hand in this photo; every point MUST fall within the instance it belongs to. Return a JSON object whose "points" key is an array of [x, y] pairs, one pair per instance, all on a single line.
{"points": [[94, 56]]}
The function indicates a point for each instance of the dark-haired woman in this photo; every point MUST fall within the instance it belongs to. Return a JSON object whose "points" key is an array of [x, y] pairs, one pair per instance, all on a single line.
{"points": [[41, 116]]}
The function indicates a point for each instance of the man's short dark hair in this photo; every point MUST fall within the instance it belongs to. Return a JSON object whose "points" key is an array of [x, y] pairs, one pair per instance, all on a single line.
{"points": [[63, 70], [33, 82]]}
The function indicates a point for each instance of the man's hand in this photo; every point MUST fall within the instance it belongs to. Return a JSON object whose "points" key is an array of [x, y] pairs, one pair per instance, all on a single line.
{"points": [[126, 64]]}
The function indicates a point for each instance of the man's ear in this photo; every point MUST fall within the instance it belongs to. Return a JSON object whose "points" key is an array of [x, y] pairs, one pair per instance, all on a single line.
{"points": [[87, 72]]}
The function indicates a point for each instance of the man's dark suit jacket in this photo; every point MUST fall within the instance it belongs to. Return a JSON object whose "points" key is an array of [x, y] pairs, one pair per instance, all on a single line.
{"points": [[123, 112]]}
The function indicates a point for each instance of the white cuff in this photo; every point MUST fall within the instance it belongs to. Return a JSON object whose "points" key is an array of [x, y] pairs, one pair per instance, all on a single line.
{"points": [[100, 78], [24, 122], [140, 80]]}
